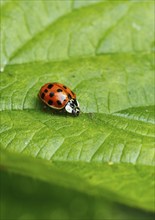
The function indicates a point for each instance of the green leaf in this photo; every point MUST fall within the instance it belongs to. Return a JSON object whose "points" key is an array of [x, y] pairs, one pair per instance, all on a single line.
{"points": [[57, 202], [103, 51]]}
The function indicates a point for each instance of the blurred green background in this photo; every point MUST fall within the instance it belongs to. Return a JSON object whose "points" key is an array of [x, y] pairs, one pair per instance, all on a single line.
{"points": [[27, 198]]}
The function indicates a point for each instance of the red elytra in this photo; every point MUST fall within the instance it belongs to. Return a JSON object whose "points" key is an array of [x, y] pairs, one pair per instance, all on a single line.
{"points": [[59, 96]]}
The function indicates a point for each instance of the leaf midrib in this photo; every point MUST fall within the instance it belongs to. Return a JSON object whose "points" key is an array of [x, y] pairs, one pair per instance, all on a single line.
{"points": [[94, 120], [101, 113]]}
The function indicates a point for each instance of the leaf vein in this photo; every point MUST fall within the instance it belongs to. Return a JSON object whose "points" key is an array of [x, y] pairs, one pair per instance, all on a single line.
{"points": [[98, 149]]}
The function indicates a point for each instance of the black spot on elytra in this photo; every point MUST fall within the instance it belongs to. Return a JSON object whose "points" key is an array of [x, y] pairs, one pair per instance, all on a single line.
{"points": [[59, 103], [65, 87], [69, 96], [59, 90], [50, 102], [45, 90], [50, 86], [51, 94], [42, 95]]}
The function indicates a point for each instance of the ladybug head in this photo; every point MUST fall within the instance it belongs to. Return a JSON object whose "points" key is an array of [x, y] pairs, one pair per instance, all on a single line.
{"points": [[72, 107]]}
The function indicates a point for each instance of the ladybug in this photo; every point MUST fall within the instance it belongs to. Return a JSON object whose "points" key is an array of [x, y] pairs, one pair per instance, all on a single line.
{"points": [[59, 97]]}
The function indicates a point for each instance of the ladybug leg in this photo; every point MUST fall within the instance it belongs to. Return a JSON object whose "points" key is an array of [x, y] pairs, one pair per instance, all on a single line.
{"points": [[59, 112], [45, 108]]}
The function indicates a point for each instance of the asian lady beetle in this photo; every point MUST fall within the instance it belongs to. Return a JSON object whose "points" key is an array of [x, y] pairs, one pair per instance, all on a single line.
{"points": [[60, 97]]}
